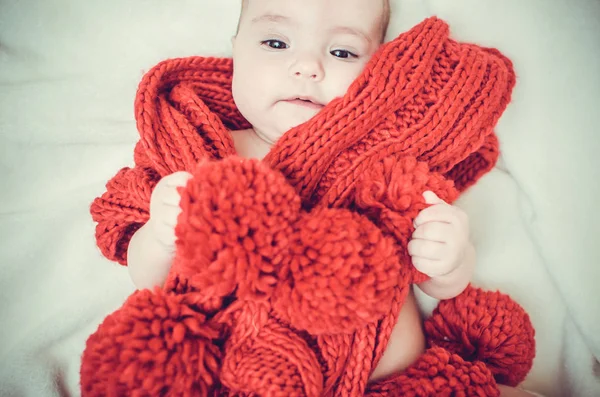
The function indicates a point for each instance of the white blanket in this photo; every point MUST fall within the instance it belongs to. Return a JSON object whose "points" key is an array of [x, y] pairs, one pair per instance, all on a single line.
{"points": [[68, 74]]}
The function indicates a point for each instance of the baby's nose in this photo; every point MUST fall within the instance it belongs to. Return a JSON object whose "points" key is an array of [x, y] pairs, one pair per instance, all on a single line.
{"points": [[307, 69]]}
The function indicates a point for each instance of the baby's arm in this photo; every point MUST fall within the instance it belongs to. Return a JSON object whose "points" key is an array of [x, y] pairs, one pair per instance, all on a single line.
{"points": [[440, 248], [152, 247]]}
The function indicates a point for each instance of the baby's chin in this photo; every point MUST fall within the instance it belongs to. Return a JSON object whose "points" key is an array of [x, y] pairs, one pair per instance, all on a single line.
{"points": [[296, 119], [273, 133], [283, 120]]}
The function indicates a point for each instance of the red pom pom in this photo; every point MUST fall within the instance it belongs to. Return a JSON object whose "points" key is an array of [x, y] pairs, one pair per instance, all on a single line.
{"points": [[343, 273], [233, 228], [398, 184], [438, 373], [154, 345], [489, 327]]}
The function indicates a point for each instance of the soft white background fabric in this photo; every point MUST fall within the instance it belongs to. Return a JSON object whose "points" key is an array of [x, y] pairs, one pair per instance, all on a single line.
{"points": [[68, 74]]}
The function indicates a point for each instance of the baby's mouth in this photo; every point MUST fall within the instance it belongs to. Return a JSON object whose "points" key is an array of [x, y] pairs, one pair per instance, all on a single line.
{"points": [[305, 102]]}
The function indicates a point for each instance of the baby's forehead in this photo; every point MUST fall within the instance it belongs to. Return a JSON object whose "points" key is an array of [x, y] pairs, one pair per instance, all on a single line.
{"points": [[365, 15]]}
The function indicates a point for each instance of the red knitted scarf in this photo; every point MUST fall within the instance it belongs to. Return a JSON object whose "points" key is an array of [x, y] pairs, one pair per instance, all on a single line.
{"points": [[290, 272]]}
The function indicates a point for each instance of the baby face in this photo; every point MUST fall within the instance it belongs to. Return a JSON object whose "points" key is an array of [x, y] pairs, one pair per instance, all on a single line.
{"points": [[292, 57]]}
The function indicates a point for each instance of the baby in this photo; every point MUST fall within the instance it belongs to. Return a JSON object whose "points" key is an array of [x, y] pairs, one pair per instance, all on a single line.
{"points": [[291, 58]]}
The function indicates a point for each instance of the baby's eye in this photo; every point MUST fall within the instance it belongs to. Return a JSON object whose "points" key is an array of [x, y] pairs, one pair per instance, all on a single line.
{"points": [[344, 54], [275, 44]]}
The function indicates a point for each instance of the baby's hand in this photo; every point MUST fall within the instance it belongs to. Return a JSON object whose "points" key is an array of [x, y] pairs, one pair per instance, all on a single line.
{"points": [[441, 238], [164, 208]]}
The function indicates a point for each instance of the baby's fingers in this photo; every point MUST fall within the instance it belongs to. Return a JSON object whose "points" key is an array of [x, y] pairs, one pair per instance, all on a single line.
{"points": [[168, 215], [170, 197], [439, 213], [163, 233], [166, 191], [434, 231], [432, 268], [177, 179], [431, 250]]}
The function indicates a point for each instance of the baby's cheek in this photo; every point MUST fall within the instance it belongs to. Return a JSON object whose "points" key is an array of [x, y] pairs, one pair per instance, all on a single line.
{"points": [[341, 78], [246, 93]]}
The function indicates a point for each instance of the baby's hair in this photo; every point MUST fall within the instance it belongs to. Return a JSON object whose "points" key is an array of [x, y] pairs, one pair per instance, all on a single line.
{"points": [[387, 12]]}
